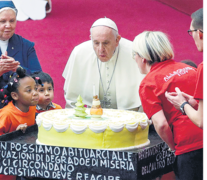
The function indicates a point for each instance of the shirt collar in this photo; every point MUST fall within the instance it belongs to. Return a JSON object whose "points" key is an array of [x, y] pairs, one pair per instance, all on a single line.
{"points": [[113, 58], [39, 108], [158, 64]]}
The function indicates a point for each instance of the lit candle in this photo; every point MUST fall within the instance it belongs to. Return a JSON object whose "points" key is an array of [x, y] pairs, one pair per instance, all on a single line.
{"points": [[94, 91]]}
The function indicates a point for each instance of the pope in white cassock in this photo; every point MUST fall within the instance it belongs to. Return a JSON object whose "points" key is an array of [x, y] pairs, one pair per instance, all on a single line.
{"points": [[104, 63]]}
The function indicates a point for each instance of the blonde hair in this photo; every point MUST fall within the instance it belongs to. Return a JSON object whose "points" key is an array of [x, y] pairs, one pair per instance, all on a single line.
{"points": [[153, 46]]}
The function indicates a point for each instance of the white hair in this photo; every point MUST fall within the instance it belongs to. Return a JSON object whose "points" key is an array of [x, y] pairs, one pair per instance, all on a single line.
{"points": [[153, 46], [7, 8], [113, 30]]}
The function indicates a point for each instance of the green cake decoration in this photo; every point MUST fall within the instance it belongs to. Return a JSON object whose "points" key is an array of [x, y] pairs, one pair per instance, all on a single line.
{"points": [[80, 109]]}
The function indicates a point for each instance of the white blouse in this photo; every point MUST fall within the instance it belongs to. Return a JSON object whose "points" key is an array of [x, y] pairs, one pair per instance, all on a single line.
{"points": [[4, 45]]}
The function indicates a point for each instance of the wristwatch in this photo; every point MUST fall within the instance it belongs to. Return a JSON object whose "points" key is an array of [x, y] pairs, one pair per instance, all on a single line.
{"points": [[182, 107]]}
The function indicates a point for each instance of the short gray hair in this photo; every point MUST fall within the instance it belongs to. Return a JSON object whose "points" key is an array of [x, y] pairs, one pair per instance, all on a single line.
{"points": [[153, 46], [197, 19], [113, 30]]}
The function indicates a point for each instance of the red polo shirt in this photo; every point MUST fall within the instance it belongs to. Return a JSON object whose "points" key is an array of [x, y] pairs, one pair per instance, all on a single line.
{"points": [[165, 76], [199, 85]]}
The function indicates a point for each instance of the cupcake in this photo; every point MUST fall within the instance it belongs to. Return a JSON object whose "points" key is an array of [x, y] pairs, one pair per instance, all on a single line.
{"points": [[96, 110]]}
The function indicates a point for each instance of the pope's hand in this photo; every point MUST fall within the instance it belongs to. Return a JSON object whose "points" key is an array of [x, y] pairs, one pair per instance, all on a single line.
{"points": [[7, 64], [22, 127]]}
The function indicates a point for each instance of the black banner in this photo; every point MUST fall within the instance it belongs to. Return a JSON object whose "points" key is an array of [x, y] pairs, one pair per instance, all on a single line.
{"points": [[155, 161], [66, 163]]}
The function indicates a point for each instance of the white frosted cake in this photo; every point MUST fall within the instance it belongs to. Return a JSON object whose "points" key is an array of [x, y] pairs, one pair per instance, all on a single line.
{"points": [[116, 129]]}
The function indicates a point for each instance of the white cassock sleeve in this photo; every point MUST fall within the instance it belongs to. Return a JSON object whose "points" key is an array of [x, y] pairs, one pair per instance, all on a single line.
{"points": [[80, 74]]}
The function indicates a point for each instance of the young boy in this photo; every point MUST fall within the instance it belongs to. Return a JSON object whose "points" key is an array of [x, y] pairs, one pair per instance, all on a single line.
{"points": [[46, 93]]}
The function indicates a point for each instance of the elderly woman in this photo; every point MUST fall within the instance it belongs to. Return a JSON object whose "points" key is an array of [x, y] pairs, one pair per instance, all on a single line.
{"points": [[154, 56], [14, 49]]}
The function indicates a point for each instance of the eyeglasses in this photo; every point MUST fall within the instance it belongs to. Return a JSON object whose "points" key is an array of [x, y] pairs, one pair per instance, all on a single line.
{"points": [[190, 32], [134, 53]]}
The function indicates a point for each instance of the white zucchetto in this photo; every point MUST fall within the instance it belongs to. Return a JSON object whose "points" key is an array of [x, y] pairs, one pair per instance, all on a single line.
{"points": [[105, 22]]}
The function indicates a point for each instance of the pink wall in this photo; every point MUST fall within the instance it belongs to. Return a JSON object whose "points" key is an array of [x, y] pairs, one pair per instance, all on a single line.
{"points": [[186, 6]]}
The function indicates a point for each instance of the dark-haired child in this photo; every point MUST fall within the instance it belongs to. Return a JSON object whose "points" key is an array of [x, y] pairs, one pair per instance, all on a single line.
{"points": [[19, 98], [46, 93]]}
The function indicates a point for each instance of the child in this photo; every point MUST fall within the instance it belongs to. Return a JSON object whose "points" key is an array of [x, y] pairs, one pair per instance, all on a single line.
{"points": [[19, 98], [46, 93]]}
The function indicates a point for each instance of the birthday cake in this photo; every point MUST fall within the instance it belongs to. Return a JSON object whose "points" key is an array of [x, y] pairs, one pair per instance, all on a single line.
{"points": [[117, 129], [94, 128]]}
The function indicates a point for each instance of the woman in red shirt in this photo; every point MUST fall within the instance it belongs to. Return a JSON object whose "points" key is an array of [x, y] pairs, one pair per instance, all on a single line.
{"points": [[154, 56]]}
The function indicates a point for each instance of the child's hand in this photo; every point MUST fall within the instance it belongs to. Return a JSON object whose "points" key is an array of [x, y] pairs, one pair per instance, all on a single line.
{"points": [[22, 127]]}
